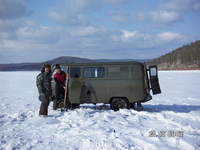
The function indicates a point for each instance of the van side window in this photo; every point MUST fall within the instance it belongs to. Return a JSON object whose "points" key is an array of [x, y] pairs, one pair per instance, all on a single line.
{"points": [[94, 72], [118, 71], [75, 72], [137, 72]]}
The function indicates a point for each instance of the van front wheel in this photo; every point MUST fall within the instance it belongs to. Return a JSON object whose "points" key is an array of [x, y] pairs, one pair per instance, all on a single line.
{"points": [[120, 103]]}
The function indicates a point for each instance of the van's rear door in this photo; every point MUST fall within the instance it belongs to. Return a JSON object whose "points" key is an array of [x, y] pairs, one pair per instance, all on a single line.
{"points": [[153, 73]]}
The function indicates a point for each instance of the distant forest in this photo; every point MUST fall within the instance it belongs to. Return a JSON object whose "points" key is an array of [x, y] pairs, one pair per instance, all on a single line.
{"points": [[183, 58]]}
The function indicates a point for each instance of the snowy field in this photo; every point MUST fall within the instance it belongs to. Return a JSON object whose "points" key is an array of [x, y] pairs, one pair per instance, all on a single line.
{"points": [[173, 114]]}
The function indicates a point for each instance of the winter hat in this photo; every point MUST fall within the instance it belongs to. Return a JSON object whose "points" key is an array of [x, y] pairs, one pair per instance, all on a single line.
{"points": [[58, 66], [47, 66]]}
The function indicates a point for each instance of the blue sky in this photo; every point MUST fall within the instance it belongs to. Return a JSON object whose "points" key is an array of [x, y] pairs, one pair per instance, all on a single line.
{"points": [[36, 31]]}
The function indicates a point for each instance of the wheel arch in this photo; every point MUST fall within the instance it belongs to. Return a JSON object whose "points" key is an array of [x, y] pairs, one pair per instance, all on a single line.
{"points": [[119, 102], [112, 98]]}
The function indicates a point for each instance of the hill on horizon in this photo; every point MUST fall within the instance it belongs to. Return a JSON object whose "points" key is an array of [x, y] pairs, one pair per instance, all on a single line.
{"points": [[59, 60], [38, 66], [186, 57]]}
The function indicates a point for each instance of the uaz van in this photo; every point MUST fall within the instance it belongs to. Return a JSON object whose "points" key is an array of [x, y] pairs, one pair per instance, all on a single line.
{"points": [[120, 84]]}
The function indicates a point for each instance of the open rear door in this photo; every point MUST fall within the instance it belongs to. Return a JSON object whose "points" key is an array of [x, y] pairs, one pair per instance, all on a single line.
{"points": [[153, 73]]}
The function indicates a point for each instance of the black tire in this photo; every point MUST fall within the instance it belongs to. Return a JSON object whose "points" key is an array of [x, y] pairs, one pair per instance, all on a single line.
{"points": [[120, 103], [61, 105]]}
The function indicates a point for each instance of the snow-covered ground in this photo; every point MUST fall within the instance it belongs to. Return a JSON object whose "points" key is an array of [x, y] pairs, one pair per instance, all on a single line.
{"points": [[176, 110]]}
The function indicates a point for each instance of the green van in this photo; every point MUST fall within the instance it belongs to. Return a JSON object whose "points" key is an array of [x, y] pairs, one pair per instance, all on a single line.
{"points": [[120, 84]]}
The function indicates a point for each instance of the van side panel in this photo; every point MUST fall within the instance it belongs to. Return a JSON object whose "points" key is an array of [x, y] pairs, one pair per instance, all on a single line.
{"points": [[137, 83], [74, 88], [118, 88], [92, 91], [118, 83], [137, 90], [87, 89], [125, 81]]}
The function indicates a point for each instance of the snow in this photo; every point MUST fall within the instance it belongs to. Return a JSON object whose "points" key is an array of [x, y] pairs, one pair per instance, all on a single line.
{"points": [[97, 127]]}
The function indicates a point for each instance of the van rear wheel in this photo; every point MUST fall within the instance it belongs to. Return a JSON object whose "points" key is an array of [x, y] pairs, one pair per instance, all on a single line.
{"points": [[120, 103]]}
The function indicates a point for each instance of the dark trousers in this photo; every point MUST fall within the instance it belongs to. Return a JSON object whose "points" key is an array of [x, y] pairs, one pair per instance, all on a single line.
{"points": [[44, 105], [59, 90]]}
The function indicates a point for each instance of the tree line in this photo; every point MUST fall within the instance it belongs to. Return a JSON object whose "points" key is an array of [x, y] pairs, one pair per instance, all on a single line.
{"points": [[185, 57]]}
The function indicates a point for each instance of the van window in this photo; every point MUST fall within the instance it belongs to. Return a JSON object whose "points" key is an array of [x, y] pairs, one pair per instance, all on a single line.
{"points": [[94, 72], [75, 72], [118, 71], [153, 72], [137, 71], [64, 68]]}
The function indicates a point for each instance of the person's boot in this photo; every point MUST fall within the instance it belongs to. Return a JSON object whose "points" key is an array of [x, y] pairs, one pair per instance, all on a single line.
{"points": [[134, 106], [55, 105], [43, 116], [139, 106]]}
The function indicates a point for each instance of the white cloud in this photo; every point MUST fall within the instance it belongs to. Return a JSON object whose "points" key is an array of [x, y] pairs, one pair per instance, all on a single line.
{"points": [[27, 31], [171, 36], [41, 42], [29, 37], [164, 16], [127, 34], [197, 6], [80, 6], [180, 5], [10, 25], [10, 9], [62, 16], [133, 36], [44, 35], [90, 31], [73, 12], [153, 17], [21, 39]]}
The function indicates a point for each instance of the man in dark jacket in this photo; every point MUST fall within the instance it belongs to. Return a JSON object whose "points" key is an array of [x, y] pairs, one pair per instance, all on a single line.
{"points": [[59, 78], [44, 88]]}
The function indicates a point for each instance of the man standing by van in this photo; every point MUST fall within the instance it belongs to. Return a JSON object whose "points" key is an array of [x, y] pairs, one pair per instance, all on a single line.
{"points": [[59, 78], [44, 88]]}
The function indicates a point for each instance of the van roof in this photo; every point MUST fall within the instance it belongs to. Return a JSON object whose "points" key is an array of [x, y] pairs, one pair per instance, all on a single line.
{"points": [[101, 63]]}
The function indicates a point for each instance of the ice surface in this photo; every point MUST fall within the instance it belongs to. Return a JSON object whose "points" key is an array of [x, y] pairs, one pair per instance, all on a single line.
{"points": [[98, 127]]}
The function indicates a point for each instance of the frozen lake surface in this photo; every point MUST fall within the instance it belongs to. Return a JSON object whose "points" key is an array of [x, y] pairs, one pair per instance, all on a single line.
{"points": [[174, 113]]}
